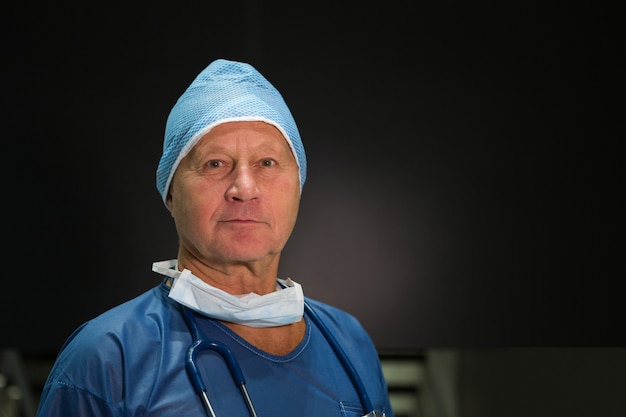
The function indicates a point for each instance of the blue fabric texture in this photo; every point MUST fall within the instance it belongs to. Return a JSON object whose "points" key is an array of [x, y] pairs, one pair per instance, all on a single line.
{"points": [[224, 91], [130, 361]]}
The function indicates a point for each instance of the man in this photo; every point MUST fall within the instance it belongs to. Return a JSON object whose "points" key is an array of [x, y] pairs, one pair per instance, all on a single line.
{"points": [[231, 174]]}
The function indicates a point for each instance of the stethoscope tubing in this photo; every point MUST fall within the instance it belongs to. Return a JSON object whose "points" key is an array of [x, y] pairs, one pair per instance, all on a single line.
{"points": [[343, 358], [199, 345], [229, 358]]}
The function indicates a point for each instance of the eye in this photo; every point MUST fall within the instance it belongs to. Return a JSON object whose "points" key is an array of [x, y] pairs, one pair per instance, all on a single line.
{"points": [[214, 163], [267, 163]]}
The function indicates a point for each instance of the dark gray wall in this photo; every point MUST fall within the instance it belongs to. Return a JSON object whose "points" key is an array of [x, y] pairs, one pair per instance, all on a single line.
{"points": [[465, 181]]}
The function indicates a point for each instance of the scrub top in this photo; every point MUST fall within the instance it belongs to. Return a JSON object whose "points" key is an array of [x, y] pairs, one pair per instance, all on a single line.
{"points": [[130, 361]]}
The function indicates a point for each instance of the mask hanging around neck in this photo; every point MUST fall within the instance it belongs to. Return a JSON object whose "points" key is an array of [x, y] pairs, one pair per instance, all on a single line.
{"points": [[283, 306]]}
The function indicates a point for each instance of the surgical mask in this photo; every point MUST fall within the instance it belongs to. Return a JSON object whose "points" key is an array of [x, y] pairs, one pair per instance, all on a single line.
{"points": [[283, 306]]}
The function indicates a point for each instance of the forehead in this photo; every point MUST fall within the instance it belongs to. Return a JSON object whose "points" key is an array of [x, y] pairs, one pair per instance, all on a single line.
{"points": [[248, 133]]}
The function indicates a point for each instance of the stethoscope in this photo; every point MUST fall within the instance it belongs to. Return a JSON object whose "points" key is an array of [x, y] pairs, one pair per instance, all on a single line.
{"points": [[201, 342]]}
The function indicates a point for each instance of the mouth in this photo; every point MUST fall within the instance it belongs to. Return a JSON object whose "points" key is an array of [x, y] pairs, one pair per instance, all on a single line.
{"points": [[241, 221]]}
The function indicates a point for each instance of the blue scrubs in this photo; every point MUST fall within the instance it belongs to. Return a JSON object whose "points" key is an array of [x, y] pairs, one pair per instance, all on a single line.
{"points": [[130, 361]]}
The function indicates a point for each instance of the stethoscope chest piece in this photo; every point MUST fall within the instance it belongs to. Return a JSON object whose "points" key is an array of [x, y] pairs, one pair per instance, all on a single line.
{"points": [[374, 414]]}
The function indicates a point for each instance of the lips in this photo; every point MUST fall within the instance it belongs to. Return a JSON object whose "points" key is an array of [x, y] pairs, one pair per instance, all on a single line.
{"points": [[241, 220]]}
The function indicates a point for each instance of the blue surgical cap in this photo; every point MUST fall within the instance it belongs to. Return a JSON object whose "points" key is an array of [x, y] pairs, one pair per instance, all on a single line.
{"points": [[225, 91]]}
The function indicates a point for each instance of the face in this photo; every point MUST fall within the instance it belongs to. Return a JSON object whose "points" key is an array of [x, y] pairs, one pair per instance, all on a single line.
{"points": [[235, 196]]}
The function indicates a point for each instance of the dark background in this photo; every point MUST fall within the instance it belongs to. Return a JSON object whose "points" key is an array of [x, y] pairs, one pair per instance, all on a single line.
{"points": [[466, 161]]}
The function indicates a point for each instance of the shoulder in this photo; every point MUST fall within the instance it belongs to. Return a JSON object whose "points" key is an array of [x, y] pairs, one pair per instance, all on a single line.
{"points": [[330, 311], [138, 316], [128, 332], [339, 321], [122, 349]]}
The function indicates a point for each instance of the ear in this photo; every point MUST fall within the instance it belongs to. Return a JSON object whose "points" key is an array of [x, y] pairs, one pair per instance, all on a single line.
{"points": [[168, 201]]}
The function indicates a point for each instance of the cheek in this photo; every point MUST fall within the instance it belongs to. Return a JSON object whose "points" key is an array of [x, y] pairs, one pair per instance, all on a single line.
{"points": [[191, 213], [290, 205]]}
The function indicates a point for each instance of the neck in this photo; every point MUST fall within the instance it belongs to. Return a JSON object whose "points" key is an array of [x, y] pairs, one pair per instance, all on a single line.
{"points": [[257, 277], [279, 340]]}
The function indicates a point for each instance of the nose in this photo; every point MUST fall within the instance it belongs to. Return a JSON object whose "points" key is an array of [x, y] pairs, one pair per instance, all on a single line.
{"points": [[244, 186]]}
